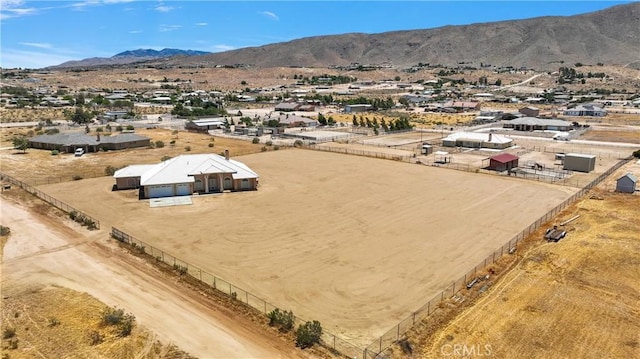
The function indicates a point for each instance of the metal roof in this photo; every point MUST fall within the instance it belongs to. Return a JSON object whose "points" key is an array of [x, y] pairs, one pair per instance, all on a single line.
{"points": [[477, 136], [82, 139], [132, 171], [181, 169], [633, 178], [534, 121], [504, 157]]}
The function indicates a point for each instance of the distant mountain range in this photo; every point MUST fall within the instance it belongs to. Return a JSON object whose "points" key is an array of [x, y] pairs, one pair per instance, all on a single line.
{"points": [[128, 57], [610, 36]]}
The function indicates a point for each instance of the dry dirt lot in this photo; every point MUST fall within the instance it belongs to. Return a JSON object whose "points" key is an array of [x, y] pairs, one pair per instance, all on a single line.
{"points": [[577, 298], [354, 242], [56, 277]]}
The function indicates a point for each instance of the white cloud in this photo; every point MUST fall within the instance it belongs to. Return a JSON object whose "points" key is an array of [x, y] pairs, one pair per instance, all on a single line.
{"points": [[15, 8], [221, 48], [201, 23], [12, 58], [135, 31], [270, 14], [39, 45], [163, 8], [165, 28]]}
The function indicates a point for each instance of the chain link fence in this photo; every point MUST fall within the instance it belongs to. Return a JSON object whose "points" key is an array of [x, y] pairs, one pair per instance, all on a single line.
{"points": [[51, 200]]}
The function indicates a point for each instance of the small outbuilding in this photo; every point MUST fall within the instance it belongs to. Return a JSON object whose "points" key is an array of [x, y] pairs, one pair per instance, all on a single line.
{"points": [[579, 162], [503, 162], [627, 183]]}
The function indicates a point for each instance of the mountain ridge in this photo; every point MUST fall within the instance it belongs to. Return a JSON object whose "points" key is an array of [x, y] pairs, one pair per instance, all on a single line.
{"points": [[608, 36]]}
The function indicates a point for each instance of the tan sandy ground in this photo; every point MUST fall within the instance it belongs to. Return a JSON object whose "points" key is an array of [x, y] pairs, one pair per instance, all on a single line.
{"points": [[353, 242], [578, 298], [42, 253]]}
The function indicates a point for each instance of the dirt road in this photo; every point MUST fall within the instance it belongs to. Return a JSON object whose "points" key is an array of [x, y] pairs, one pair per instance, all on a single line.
{"points": [[42, 250]]}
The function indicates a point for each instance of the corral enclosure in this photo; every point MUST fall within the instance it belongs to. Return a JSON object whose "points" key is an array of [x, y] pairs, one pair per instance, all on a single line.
{"points": [[354, 242]]}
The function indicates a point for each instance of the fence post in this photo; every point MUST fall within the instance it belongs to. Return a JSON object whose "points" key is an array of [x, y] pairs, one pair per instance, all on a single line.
{"points": [[214, 287]]}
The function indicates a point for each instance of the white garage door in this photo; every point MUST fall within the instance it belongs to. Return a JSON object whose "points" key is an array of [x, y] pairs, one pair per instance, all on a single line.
{"points": [[183, 189], [161, 191]]}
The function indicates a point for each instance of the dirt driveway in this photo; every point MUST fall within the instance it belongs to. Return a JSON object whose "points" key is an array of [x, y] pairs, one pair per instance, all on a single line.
{"points": [[44, 251]]}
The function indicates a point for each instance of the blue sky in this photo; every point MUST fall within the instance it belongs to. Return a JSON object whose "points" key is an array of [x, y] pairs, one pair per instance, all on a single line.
{"points": [[36, 34]]}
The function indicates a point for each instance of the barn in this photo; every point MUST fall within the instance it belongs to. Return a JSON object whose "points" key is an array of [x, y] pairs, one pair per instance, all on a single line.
{"points": [[579, 162], [70, 141], [626, 183], [503, 162], [188, 174]]}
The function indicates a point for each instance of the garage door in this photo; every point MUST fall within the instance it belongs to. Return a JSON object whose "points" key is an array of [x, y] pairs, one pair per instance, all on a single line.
{"points": [[161, 191], [183, 189], [245, 184]]}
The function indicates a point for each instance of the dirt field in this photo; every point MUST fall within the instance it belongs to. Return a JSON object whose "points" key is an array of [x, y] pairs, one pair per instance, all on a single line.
{"points": [[577, 298], [354, 242], [53, 269]]}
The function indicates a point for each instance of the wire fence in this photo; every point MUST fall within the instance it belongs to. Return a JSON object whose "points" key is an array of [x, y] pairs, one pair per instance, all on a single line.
{"points": [[357, 152], [77, 214], [475, 276], [328, 339]]}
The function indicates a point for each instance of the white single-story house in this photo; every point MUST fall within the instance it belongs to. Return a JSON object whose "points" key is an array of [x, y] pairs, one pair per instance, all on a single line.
{"points": [[477, 140], [188, 174], [534, 123], [586, 110]]}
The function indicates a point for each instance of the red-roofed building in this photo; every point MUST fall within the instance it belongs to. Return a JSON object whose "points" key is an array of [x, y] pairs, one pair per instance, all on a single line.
{"points": [[503, 162]]}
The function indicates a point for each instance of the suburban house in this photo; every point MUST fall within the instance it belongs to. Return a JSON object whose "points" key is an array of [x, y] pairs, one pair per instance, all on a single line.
{"points": [[294, 121], [627, 183], [461, 106], [188, 174], [357, 108], [477, 140], [586, 110], [287, 106], [503, 162], [206, 124], [537, 124], [530, 111], [69, 142]]}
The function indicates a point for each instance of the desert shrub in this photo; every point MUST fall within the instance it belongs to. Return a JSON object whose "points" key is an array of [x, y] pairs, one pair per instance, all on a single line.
{"points": [[268, 143], [52, 131], [308, 334], [159, 144], [8, 333], [282, 319], [210, 144], [4, 231], [276, 147], [636, 154], [73, 215], [297, 143], [53, 322], [234, 295], [119, 128], [55, 152], [13, 343], [187, 148], [130, 128], [263, 149], [110, 170], [180, 269], [117, 317], [77, 177], [95, 337], [255, 140], [165, 158], [172, 142]]}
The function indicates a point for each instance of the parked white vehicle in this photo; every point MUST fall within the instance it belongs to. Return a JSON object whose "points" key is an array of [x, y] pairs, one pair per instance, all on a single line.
{"points": [[79, 152]]}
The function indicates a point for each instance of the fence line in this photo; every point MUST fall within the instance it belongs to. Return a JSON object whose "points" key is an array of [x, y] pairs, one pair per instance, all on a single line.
{"points": [[472, 277], [352, 151], [329, 339], [51, 200]]}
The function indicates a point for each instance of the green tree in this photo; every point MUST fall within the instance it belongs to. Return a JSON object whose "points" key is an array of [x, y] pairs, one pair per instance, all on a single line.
{"points": [[308, 334], [21, 143], [79, 116], [355, 121]]}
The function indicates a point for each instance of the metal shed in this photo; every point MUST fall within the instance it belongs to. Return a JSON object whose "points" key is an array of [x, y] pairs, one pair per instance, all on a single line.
{"points": [[503, 162], [626, 183], [579, 162]]}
